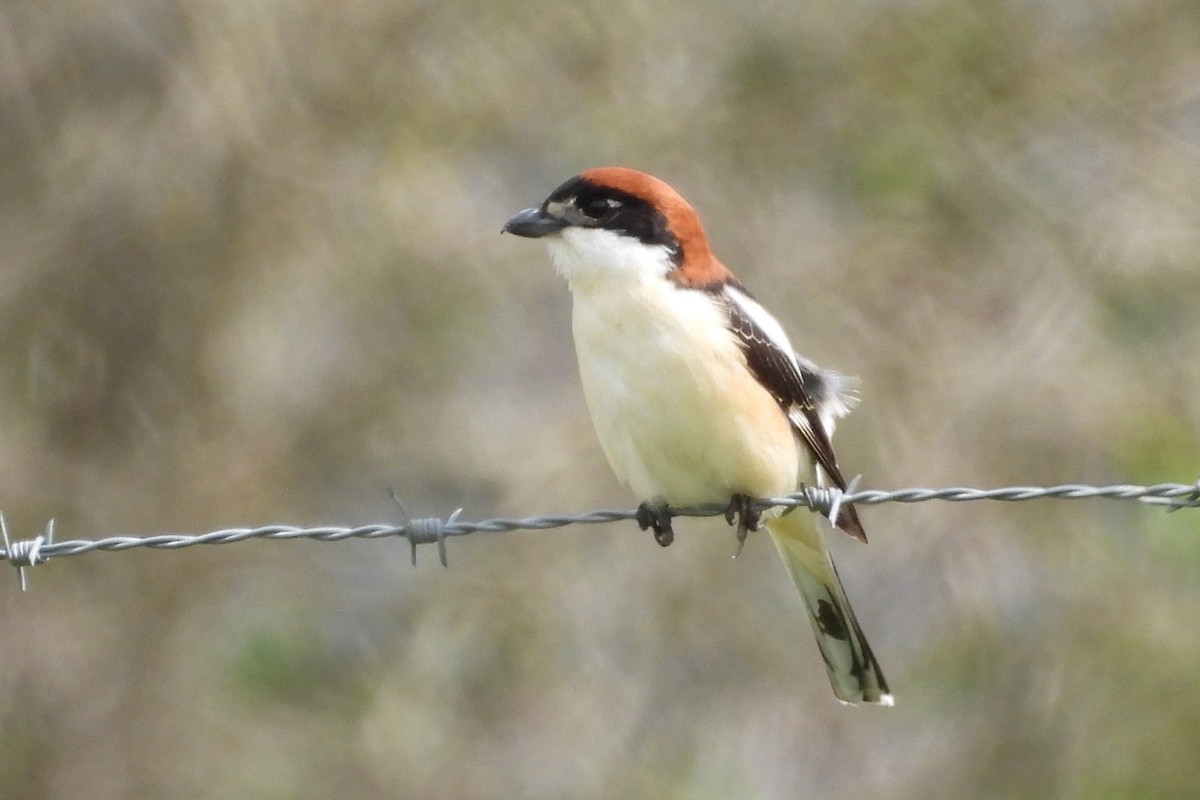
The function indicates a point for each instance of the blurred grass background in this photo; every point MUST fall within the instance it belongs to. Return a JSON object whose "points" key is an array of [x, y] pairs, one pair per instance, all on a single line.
{"points": [[252, 273]]}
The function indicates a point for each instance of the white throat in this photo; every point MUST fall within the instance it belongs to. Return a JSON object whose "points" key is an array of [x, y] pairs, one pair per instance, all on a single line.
{"points": [[593, 257]]}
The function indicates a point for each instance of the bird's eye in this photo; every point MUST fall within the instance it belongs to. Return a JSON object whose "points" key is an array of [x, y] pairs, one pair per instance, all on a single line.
{"points": [[597, 207]]}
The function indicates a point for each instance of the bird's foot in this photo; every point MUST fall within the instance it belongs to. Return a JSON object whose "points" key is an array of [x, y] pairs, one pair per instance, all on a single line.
{"points": [[658, 518], [741, 507]]}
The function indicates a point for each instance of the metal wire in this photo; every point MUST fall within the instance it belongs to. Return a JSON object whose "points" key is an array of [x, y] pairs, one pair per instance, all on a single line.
{"points": [[427, 530]]}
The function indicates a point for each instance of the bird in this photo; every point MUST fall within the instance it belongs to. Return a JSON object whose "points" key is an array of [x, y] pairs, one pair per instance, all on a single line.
{"points": [[695, 392]]}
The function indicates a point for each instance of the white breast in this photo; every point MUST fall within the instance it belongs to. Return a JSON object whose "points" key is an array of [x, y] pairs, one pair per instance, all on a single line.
{"points": [[678, 414]]}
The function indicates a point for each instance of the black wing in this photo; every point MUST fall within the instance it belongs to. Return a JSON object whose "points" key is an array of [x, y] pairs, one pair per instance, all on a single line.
{"points": [[796, 389]]}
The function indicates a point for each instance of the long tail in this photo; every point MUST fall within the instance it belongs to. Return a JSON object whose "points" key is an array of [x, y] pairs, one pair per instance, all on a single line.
{"points": [[853, 670]]}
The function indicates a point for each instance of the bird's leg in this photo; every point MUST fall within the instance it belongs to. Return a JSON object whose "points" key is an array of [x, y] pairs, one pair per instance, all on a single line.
{"points": [[741, 507], [658, 517]]}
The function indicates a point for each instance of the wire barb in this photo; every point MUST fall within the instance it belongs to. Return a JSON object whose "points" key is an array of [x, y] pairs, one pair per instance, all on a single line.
{"points": [[26, 552], [827, 500], [425, 530]]}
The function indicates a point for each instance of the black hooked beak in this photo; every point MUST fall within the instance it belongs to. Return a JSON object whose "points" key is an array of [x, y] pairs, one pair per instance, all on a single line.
{"points": [[534, 223]]}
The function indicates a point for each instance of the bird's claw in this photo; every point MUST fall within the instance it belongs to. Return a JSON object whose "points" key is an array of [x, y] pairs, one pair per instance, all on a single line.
{"points": [[658, 518], [741, 507]]}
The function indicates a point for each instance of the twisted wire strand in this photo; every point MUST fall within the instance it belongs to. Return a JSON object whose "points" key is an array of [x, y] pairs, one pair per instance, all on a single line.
{"points": [[426, 530]]}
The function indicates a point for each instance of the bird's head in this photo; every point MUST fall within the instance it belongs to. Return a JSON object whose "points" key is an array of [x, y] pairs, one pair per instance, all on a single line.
{"points": [[615, 223]]}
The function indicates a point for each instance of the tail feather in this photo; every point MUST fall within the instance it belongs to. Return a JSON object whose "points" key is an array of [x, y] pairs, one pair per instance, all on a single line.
{"points": [[853, 670]]}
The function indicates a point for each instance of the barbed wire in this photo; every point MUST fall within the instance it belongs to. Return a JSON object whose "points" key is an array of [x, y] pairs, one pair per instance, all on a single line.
{"points": [[23, 553]]}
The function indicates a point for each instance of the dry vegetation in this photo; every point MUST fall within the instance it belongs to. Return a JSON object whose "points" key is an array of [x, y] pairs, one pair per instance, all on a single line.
{"points": [[252, 272]]}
